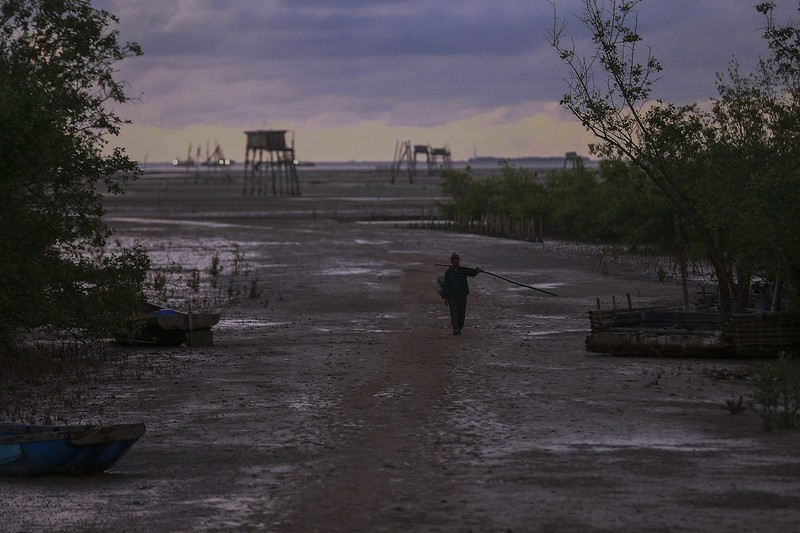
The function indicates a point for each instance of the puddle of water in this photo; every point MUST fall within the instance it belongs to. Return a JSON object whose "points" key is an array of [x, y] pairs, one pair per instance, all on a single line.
{"points": [[347, 272], [392, 315], [510, 447], [557, 332], [545, 286], [178, 222], [357, 271], [393, 392], [282, 469], [239, 324], [370, 243], [230, 512], [306, 403], [552, 285], [686, 444], [402, 223], [275, 265]]}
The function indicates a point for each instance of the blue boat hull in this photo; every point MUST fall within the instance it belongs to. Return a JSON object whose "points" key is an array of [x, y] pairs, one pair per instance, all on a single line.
{"points": [[161, 326], [27, 450]]}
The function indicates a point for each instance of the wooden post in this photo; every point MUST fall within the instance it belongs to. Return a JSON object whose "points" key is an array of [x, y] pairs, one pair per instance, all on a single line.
{"points": [[191, 341], [775, 289], [541, 229], [599, 314]]}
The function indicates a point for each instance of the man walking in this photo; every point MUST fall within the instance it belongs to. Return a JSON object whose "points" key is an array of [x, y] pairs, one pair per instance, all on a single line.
{"points": [[455, 290]]}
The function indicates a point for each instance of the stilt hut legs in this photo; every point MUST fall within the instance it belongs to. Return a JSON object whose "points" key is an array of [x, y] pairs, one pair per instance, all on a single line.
{"points": [[280, 164]]}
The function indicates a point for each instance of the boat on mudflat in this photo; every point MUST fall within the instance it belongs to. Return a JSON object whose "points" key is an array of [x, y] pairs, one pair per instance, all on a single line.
{"points": [[161, 326], [36, 450], [681, 333]]}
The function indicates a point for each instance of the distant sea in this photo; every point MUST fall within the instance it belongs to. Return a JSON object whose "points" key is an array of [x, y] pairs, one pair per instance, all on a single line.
{"points": [[536, 163]]}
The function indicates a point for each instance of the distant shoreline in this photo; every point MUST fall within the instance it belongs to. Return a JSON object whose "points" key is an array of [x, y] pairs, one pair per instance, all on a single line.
{"points": [[482, 163]]}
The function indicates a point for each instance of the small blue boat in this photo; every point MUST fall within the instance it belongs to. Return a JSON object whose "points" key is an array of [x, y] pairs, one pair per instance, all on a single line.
{"points": [[35, 450], [161, 326]]}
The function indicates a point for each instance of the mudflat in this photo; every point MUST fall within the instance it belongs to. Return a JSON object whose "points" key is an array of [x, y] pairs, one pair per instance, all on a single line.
{"points": [[339, 400]]}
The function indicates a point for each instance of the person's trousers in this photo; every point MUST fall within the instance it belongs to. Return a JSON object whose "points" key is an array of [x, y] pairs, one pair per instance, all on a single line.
{"points": [[458, 312]]}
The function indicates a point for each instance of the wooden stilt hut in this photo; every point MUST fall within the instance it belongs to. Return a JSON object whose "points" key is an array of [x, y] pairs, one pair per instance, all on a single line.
{"points": [[409, 155], [403, 155], [270, 157], [441, 159]]}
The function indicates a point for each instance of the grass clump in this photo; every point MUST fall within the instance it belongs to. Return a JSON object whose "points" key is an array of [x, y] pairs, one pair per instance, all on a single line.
{"points": [[64, 381], [776, 394]]}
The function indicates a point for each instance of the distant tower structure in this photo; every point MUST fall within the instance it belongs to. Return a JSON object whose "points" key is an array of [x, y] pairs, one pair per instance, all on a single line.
{"points": [[571, 160], [407, 154], [440, 158], [423, 149], [269, 155], [404, 156]]}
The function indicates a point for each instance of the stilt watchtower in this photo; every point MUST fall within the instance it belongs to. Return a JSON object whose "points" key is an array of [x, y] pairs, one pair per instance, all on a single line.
{"points": [[268, 155]]}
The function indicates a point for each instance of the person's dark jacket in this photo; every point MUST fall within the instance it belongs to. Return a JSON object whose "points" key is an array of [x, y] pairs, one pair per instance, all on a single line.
{"points": [[455, 282]]}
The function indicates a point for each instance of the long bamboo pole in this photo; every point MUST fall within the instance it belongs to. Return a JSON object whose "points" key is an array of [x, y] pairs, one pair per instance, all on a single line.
{"points": [[506, 279]]}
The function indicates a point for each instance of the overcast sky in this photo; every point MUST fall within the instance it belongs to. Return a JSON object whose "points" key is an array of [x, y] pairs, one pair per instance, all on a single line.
{"points": [[353, 77]]}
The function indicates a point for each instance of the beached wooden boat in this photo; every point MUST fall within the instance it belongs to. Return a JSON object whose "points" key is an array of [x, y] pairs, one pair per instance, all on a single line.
{"points": [[156, 325], [679, 333], [33, 450]]}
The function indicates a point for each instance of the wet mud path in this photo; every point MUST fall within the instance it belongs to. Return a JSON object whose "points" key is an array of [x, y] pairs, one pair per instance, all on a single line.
{"points": [[386, 473]]}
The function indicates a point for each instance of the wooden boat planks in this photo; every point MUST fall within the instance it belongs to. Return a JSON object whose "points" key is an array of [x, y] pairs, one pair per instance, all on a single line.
{"points": [[764, 332], [648, 343], [671, 332], [602, 319], [764, 321], [656, 318]]}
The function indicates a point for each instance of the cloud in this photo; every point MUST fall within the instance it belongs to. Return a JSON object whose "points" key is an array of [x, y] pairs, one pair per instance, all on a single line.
{"points": [[416, 63], [401, 64]]}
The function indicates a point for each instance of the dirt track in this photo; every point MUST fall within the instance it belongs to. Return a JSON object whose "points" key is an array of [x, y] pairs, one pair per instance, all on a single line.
{"points": [[345, 404]]}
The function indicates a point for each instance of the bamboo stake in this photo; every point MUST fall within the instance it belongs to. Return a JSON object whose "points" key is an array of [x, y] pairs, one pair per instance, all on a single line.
{"points": [[506, 279]]}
